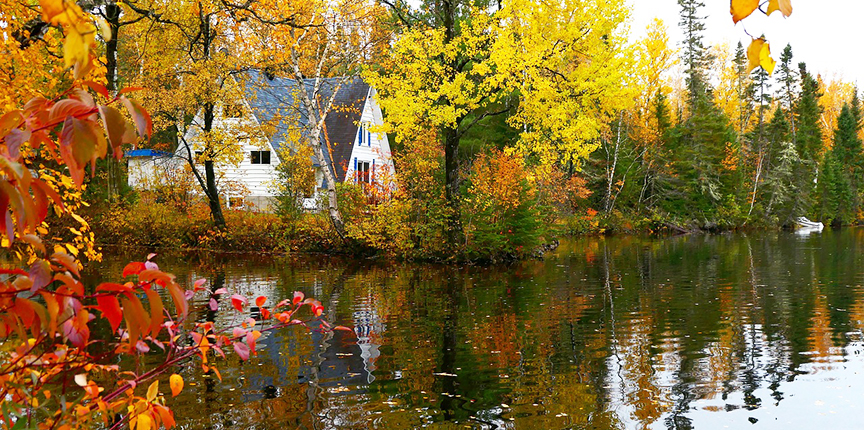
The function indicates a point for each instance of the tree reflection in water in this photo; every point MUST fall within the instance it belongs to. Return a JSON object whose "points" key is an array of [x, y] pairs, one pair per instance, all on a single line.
{"points": [[607, 333]]}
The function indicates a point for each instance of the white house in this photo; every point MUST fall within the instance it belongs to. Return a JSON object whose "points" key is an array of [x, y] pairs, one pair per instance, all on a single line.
{"points": [[270, 107]]}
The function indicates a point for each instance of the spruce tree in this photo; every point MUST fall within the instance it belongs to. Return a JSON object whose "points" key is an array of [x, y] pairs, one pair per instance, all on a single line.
{"points": [[780, 184], [808, 137], [849, 159], [787, 78], [700, 140], [855, 107], [695, 56]]}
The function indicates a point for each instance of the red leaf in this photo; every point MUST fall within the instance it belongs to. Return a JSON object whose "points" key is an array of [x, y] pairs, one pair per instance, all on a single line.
{"points": [[343, 328], [112, 287], [238, 301], [260, 300], [221, 291], [12, 272], [110, 308], [298, 297], [66, 261], [40, 274], [78, 146], [199, 284], [242, 350], [68, 108], [99, 88], [214, 305], [115, 126], [133, 268], [141, 118], [265, 313], [14, 140]]}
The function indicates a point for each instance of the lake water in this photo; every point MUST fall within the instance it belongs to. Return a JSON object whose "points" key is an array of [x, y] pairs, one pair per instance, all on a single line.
{"points": [[708, 332]]}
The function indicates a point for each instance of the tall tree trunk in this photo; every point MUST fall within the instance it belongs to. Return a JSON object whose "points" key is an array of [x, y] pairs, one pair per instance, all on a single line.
{"points": [[451, 185], [212, 190], [112, 16], [332, 202], [451, 137]]}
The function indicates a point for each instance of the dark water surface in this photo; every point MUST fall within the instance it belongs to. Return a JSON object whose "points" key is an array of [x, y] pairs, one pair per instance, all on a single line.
{"points": [[708, 332]]}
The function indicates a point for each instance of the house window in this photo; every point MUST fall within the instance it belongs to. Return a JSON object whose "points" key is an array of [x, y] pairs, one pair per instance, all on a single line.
{"points": [[360, 135], [260, 157], [363, 171]]}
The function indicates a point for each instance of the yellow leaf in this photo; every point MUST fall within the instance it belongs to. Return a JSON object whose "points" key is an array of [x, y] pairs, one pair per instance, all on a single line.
{"points": [[176, 382], [104, 28], [144, 422], [152, 391], [765, 59], [784, 6], [754, 53], [75, 48], [741, 9]]}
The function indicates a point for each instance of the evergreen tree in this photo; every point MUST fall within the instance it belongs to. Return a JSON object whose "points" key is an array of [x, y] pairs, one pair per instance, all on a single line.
{"points": [[787, 78], [849, 160], [855, 107], [808, 137], [834, 191], [656, 177], [700, 140], [780, 184], [696, 56]]}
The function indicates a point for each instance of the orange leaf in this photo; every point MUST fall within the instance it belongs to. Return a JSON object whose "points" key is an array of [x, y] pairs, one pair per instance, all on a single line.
{"points": [[741, 9], [260, 300], [156, 312], [165, 415], [176, 382], [129, 90]]}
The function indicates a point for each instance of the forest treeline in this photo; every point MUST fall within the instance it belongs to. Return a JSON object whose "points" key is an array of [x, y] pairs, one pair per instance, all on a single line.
{"points": [[511, 123]]}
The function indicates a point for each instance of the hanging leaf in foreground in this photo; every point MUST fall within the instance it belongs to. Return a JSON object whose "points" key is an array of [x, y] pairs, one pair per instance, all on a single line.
{"points": [[741, 9]]}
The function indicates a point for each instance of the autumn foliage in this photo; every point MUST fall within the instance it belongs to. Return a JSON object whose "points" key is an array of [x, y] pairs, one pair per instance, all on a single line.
{"points": [[53, 371]]}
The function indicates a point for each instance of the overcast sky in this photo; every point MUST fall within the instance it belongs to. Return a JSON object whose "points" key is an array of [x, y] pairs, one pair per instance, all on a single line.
{"points": [[826, 34]]}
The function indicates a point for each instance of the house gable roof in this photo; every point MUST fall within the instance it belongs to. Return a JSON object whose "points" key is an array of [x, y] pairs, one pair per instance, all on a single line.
{"points": [[274, 103]]}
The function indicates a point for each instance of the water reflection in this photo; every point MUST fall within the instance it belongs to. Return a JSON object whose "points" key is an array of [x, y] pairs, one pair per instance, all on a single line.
{"points": [[691, 332]]}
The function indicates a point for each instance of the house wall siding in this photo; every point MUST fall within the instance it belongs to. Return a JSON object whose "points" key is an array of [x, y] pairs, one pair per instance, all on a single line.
{"points": [[377, 149], [257, 179]]}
